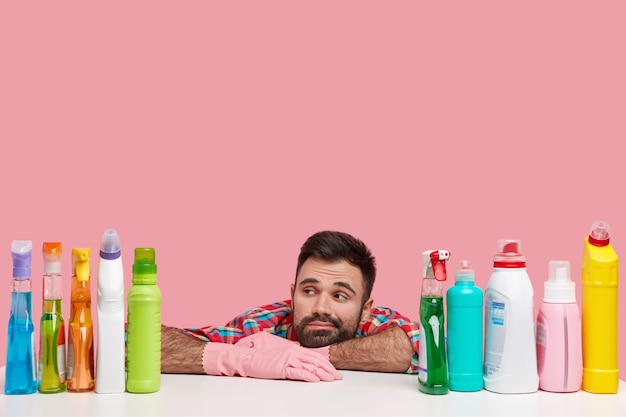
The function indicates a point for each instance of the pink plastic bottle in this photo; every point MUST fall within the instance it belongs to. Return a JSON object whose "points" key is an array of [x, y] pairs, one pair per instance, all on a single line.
{"points": [[558, 333]]}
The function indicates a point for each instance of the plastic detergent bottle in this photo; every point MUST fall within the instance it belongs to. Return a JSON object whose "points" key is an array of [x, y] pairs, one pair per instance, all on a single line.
{"points": [[144, 325], [433, 369], [599, 311], [464, 308], [80, 366], [21, 364], [510, 352], [52, 329], [559, 345], [111, 351]]}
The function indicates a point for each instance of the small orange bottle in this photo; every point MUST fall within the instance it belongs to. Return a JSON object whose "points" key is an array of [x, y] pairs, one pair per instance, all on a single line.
{"points": [[80, 357]]}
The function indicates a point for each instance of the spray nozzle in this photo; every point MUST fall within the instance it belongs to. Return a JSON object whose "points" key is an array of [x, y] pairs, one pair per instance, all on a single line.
{"points": [[600, 233], [80, 263], [435, 264]]}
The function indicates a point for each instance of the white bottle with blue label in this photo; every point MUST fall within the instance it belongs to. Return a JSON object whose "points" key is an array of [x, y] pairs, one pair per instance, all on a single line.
{"points": [[510, 353]]}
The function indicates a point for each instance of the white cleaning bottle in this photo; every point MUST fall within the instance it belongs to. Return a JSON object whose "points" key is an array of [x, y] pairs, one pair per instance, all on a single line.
{"points": [[110, 354], [510, 353]]}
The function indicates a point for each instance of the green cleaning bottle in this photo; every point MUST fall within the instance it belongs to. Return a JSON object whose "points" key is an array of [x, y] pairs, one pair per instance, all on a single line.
{"points": [[52, 328], [433, 369], [144, 326]]}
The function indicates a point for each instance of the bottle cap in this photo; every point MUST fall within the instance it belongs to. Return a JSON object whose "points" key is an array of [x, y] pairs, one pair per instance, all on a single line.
{"points": [[144, 261], [464, 272], [21, 252], [52, 257], [80, 263], [509, 254], [599, 234], [110, 246], [559, 288]]}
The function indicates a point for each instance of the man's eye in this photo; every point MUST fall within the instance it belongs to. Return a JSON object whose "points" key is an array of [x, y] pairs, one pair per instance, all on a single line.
{"points": [[341, 297], [308, 291]]}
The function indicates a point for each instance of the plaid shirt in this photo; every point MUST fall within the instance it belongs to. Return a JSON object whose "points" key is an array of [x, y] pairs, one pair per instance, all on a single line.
{"points": [[277, 318]]}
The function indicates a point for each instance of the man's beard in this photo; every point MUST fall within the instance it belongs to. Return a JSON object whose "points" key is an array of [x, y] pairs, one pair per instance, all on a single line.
{"points": [[323, 337]]}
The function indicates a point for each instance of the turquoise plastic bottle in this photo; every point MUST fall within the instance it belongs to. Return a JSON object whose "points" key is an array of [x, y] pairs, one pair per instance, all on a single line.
{"points": [[433, 369], [464, 308], [144, 326], [21, 364]]}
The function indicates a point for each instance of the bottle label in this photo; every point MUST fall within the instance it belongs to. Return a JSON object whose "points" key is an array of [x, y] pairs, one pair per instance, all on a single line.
{"points": [[495, 332], [422, 372], [70, 360], [61, 353], [540, 338]]}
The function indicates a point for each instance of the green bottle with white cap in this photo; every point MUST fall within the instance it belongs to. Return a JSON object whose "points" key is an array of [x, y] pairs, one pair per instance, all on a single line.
{"points": [[144, 326]]}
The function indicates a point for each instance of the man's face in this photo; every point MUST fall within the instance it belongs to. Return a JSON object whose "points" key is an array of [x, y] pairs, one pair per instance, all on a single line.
{"points": [[328, 302]]}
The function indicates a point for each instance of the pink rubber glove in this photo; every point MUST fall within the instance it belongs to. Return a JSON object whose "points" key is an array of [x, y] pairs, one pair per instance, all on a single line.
{"points": [[263, 355]]}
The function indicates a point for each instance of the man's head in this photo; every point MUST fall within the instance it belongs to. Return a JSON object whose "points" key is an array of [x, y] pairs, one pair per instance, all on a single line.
{"points": [[332, 290]]}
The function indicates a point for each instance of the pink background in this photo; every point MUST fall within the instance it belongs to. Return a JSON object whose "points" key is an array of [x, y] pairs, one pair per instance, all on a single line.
{"points": [[224, 133]]}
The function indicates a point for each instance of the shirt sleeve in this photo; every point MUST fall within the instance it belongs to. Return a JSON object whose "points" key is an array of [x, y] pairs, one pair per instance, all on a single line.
{"points": [[267, 317], [384, 318]]}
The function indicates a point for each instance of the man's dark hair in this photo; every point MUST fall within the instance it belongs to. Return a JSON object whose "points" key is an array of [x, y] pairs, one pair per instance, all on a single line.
{"points": [[332, 246]]}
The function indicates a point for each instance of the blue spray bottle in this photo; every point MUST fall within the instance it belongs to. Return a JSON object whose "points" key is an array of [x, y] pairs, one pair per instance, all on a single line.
{"points": [[21, 365], [464, 307]]}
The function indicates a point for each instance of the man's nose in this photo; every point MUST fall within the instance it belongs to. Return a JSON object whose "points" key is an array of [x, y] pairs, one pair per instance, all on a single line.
{"points": [[322, 305]]}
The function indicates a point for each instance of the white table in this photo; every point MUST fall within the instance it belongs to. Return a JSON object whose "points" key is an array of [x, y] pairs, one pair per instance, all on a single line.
{"points": [[358, 394]]}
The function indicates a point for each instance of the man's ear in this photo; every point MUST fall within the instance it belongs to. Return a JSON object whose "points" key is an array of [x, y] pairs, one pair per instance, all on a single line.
{"points": [[293, 288], [367, 310]]}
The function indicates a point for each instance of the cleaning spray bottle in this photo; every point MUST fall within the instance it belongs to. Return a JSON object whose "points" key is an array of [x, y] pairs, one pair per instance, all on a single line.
{"points": [[433, 369], [110, 354], [21, 364], [80, 364], [599, 311], [52, 331]]}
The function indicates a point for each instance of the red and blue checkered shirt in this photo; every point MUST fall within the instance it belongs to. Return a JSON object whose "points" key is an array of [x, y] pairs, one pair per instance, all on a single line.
{"points": [[277, 318]]}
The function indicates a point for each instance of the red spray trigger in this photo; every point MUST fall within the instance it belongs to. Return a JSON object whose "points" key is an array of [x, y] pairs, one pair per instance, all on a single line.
{"points": [[438, 261]]}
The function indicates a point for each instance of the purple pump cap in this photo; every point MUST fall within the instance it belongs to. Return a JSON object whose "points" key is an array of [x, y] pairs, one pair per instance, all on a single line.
{"points": [[110, 247], [21, 252]]}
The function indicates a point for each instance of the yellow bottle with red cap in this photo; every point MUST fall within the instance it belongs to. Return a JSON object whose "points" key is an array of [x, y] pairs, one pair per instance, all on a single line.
{"points": [[599, 279]]}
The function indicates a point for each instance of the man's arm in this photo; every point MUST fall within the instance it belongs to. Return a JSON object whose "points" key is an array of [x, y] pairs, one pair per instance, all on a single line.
{"points": [[182, 349], [261, 355], [181, 353], [390, 350]]}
